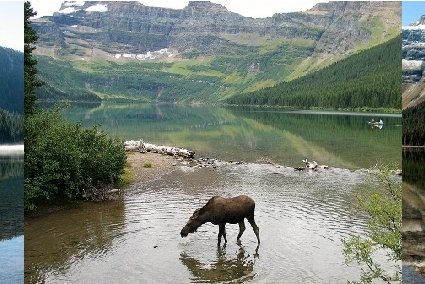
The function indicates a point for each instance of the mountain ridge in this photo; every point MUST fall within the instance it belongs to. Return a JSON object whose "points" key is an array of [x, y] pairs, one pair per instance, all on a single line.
{"points": [[204, 42]]}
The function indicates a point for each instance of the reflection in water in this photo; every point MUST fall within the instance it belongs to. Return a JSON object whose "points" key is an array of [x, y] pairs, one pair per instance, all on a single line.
{"points": [[342, 140], [11, 219], [414, 213], [302, 217], [226, 267], [12, 260], [11, 196], [54, 243]]}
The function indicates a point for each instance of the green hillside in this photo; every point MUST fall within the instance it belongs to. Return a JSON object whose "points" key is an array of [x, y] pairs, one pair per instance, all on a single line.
{"points": [[11, 80], [187, 79], [11, 95], [368, 79]]}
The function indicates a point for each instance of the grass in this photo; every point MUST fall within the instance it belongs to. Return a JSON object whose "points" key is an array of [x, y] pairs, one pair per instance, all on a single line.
{"points": [[147, 165], [127, 176]]}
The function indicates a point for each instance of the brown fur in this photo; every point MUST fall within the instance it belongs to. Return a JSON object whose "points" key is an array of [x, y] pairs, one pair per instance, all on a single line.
{"points": [[219, 211]]}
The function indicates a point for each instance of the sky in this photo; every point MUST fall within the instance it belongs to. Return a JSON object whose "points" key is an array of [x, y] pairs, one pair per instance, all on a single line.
{"points": [[12, 24], [248, 8], [412, 11]]}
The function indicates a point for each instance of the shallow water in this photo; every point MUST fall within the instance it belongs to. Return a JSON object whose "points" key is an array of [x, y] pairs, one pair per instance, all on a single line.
{"points": [[302, 218], [12, 260], [11, 219], [413, 213]]}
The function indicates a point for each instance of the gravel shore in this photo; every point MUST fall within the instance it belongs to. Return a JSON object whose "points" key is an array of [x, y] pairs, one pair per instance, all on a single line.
{"points": [[159, 165]]}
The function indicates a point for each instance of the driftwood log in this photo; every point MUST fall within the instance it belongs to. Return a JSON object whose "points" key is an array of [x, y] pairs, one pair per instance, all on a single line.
{"points": [[142, 147]]}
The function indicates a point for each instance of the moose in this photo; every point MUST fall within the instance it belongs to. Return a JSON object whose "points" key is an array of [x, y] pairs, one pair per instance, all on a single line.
{"points": [[219, 211]]}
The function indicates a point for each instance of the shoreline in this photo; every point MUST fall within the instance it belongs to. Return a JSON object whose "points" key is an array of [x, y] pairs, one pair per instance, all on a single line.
{"points": [[141, 172], [160, 165], [12, 150]]}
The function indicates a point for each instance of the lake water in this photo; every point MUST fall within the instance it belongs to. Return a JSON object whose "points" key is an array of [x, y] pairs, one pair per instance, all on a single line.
{"points": [[11, 218], [414, 211], [302, 216], [337, 139]]}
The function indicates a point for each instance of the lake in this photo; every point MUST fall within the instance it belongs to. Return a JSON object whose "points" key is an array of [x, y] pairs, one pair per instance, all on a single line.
{"points": [[337, 139], [11, 216], [414, 211], [302, 216]]}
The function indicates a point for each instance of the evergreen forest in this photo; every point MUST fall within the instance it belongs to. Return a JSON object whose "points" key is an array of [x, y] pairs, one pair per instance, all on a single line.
{"points": [[12, 95], [368, 79], [414, 125]]}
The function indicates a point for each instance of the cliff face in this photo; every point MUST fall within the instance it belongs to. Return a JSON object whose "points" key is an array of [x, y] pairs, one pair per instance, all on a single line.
{"points": [[134, 28], [229, 53], [413, 53]]}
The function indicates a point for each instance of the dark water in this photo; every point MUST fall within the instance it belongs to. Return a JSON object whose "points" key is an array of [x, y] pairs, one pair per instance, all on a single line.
{"points": [[302, 218], [11, 219], [413, 213], [337, 139]]}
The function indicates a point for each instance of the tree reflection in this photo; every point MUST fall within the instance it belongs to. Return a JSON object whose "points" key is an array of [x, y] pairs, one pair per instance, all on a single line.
{"points": [[226, 267], [11, 197], [55, 241], [414, 208]]}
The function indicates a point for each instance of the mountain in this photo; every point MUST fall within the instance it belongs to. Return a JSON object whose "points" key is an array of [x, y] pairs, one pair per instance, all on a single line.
{"points": [[11, 80], [369, 79], [413, 96], [203, 52]]}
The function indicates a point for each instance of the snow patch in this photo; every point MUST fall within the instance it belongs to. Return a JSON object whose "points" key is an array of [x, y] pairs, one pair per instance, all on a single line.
{"points": [[98, 8], [73, 3], [411, 64], [144, 56], [68, 10], [418, 27]]}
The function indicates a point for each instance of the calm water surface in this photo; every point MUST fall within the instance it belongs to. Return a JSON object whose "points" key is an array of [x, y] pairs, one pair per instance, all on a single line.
{"points": [[302, 218], [337, 139], [302, 215], [413, 212], [11, 219]]}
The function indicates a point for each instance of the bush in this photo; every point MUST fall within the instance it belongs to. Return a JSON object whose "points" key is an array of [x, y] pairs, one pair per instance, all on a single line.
{"points": [[383, 207], [63, 159]]}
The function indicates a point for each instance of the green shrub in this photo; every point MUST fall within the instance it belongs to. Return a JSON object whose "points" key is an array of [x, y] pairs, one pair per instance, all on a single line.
{"points": [[147, 165], [63, 159]]}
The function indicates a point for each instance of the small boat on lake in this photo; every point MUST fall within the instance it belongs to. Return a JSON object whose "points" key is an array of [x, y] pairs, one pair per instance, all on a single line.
{"points": [[376, 122]]}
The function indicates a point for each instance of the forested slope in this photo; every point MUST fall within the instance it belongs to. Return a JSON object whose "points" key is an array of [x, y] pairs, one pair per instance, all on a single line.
{"points": [[11, 80], [368, 79], [11, 95], [414, 125]]}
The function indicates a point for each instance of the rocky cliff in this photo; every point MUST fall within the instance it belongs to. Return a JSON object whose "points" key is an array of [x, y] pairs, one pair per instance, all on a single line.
{"points": [[131, 27], [228, 53], [413, 63]]}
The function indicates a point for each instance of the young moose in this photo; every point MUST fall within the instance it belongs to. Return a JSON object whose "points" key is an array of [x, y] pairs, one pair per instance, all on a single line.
{"points": [[220, 211]]}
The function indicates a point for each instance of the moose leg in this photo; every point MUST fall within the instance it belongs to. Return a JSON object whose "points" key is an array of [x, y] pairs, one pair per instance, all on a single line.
{"points": [[222, 232], [255, 228], [241, 229]]}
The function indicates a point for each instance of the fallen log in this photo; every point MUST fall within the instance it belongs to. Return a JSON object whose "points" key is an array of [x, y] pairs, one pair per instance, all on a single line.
{"points": [[142, 147]]}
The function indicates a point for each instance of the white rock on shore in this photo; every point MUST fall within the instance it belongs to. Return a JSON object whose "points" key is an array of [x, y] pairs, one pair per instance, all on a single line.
{"points": [[141, 146]]}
